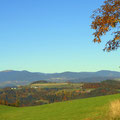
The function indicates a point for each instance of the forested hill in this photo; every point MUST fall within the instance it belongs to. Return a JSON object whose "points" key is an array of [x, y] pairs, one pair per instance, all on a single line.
{"points": [[10, 77]]}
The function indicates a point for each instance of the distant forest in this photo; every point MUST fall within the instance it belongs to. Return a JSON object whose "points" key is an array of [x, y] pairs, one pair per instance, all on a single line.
{"points": [[27, 96]]}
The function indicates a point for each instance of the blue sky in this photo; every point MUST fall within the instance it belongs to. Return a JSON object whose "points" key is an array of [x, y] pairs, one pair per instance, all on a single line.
{"points": [[51, 36]]}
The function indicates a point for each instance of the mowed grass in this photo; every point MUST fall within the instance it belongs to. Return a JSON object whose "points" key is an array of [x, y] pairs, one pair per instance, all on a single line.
{"points": [[83, 109], [57, 85], [49, 84]]}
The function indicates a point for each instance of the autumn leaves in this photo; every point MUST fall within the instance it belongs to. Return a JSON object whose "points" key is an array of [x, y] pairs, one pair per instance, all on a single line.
{"points": [[106, 18]]}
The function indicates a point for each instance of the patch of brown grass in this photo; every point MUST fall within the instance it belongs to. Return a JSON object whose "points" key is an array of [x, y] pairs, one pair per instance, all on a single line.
{"points": [[88, 119], [114, 110]]}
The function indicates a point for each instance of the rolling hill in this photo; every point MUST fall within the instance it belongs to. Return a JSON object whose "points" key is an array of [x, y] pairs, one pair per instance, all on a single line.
{"points": [[10, 77], [83, 109]]}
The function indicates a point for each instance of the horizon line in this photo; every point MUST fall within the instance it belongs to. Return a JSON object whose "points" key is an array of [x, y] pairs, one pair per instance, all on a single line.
{"points": [[54, 72]]}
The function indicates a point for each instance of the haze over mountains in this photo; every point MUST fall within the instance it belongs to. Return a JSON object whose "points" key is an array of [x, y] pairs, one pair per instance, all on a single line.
{"points": [[11, 77]]}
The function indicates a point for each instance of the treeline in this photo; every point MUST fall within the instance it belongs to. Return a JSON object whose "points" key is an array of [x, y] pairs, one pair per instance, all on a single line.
{"points": [[104, 84]]}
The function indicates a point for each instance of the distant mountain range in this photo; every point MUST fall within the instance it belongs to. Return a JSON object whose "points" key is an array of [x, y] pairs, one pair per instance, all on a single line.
{"points": [[11, 77]]}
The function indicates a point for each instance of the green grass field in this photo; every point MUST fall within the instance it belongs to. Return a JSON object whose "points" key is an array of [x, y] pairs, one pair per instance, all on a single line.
{"points": [[83, 109]]}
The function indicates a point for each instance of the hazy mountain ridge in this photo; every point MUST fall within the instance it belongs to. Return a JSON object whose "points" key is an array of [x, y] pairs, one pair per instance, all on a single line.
{"points": [[11, 77]]}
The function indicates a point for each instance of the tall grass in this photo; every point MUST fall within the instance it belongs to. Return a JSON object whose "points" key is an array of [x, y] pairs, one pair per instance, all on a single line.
{"points": [[114, 110]]}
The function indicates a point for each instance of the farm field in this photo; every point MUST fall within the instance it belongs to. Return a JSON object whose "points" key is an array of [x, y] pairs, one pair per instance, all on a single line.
{"points": [[46, 85], [94, 108], [55, 85]]}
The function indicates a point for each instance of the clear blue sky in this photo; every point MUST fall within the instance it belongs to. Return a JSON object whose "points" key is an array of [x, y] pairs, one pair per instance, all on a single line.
{"points": [[51, 36]]}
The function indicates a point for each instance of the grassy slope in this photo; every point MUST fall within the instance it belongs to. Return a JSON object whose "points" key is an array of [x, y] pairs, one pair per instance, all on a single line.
{"points": [[71, 110]]}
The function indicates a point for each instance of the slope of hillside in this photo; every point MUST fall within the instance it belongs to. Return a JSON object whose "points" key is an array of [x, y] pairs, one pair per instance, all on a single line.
{"points": [[84, 109]]}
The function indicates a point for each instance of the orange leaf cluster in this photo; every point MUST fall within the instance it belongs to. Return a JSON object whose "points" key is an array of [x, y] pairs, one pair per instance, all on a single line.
{"points": [[105, 18]]}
